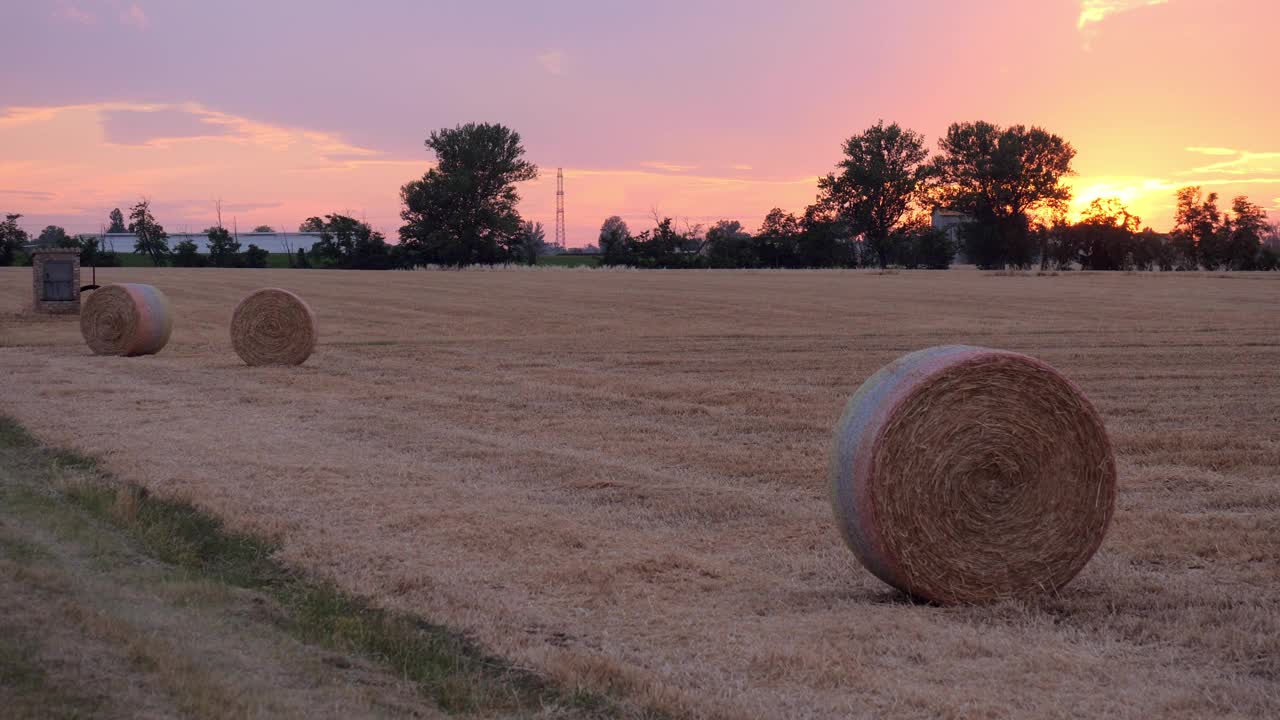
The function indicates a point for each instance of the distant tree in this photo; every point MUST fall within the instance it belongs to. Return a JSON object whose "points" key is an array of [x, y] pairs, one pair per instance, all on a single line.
{"points": [[1199, 230], [1106, 235], [825, 238], [311, 225], [92, 254], [463, 211], [1271, 238], [920, 245], [883, 173], [531, 244], [349, 244], [1245, 234], [1268, 258], [187, 254], [998, 176], [255, 257], [53, 236], [224, 250], [152, 240], [263, 229], [1153, 251], [117, 222], [665, 246], [614, 237], [88, 245], [775, 242], [1058, 248], [729, 245], [12, 238]]}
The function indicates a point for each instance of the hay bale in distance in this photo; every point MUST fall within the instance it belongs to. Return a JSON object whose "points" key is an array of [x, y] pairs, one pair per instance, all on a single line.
{"points": [[962, 474], [273, 327], [126, 319]]}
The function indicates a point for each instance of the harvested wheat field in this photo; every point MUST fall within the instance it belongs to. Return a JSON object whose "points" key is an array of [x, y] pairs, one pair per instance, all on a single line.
{"points": [[619, 478]]}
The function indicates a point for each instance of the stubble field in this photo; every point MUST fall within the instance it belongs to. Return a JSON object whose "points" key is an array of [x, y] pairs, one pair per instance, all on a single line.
{"points": [[618, 478]]}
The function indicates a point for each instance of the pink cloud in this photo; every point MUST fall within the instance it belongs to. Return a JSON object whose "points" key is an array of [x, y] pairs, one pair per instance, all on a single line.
{"points": [[72, 13], [134, 15]]}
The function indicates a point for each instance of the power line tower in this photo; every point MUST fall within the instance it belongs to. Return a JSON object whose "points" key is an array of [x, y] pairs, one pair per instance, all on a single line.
{"points": [[560, 207]]}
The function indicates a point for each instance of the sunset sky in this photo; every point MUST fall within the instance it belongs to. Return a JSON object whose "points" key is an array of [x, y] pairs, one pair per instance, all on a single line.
{"points": [[700, 110]]}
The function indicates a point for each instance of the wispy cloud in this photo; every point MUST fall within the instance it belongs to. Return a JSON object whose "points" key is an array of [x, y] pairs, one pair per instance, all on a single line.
{"points": [[1093, 12], [1242, 162], [1212, 151], [740, 167], [29, 194], [249, 206], [552, 61], [668, 167]]}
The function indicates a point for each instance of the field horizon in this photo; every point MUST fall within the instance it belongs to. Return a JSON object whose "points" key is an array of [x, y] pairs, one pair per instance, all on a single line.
{"points": [[618, 478]]}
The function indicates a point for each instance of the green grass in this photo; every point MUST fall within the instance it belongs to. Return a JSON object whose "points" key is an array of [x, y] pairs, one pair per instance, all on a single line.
{"points": [[570, 260], [25, 688], [447, 668]]}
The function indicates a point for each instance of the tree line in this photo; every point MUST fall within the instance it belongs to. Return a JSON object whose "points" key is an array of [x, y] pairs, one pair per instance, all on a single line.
{"points": [[1005, 184]]}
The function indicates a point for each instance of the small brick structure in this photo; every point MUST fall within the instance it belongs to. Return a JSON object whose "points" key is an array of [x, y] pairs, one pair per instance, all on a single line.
{"points": [[55, 280]]}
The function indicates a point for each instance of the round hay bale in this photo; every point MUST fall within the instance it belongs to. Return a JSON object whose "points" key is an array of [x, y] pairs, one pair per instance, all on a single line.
{"points": [[126, 319], [273, 327], [963, 474]]}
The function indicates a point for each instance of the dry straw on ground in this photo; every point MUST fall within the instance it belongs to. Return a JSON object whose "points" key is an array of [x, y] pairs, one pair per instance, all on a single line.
{"points": [[126, 319], [962, 474], [273, 327], [619, 478]]}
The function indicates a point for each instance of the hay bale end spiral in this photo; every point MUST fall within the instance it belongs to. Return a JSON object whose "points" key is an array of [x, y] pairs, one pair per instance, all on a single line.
{"points": [[273, 327], [126, 319], [963, 474]]}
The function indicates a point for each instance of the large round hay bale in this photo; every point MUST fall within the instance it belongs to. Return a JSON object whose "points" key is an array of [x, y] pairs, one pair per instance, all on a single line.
{"points": [[962, 474], [273, 327], [126, 319]]}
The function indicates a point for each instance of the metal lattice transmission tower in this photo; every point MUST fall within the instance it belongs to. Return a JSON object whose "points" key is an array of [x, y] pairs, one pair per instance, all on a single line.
{"points": [[560, 207]]}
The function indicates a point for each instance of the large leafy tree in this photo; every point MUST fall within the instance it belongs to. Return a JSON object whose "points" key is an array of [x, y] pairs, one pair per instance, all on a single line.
{"points": [[998, 176], [152, 240], [883, 173], [463, 211], [117, 222], [12, 238]]}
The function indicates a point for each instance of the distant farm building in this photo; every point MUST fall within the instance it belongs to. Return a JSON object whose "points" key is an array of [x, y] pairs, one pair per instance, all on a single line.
{"points": [[273, 242], [949, 221]]}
